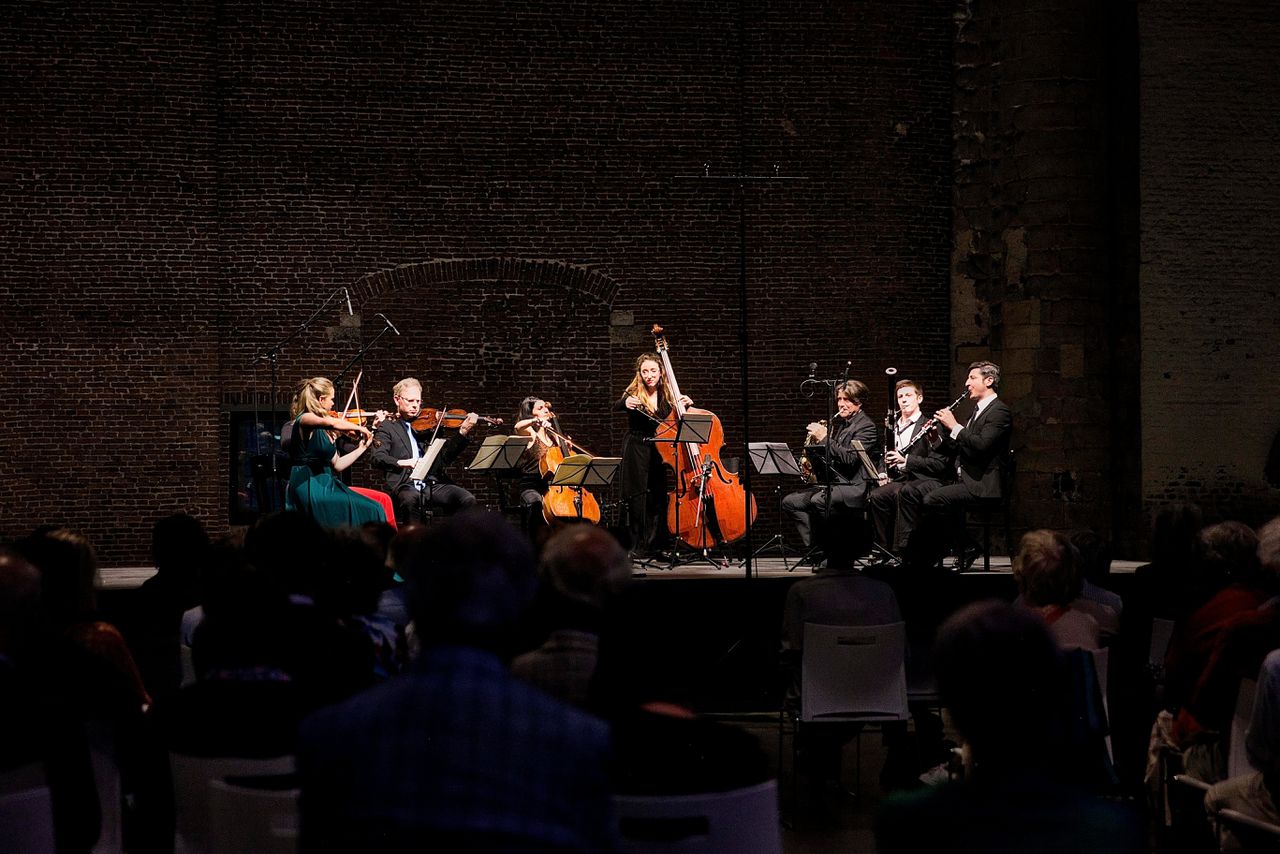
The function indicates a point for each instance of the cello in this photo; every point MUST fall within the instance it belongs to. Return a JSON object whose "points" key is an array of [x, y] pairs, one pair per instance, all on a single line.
{"points": [[709, 505], [564, 503]]}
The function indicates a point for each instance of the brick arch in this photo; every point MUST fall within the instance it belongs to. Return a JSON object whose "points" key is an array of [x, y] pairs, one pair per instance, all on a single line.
{"points": [[534, 271]]}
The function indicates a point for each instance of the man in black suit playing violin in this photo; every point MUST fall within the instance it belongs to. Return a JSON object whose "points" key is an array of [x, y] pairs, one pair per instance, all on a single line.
{"points": [[849, 478], [980, 447], [916, 463], [400, 449]]}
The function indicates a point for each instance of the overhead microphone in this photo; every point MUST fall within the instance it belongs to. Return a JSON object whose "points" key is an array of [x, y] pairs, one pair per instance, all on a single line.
{"points": [[893, 372], [347, 293], [813, 369], [390, 325]]}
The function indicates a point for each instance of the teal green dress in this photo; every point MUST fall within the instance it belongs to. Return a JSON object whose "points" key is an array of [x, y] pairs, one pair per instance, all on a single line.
{"points": [[316, 491]]}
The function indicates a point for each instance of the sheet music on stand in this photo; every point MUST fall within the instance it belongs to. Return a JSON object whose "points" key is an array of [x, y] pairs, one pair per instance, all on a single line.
{"points": [[580, 470], [817, 455], [773, 458], [427, 460], [498, 454]]}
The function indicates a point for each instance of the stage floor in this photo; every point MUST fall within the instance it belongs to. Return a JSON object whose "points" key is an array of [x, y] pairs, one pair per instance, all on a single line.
{"points": [[129, 577]]}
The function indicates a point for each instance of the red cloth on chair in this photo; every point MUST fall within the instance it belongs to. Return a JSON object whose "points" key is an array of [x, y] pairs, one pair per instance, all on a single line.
{"points": [[383, 500]]}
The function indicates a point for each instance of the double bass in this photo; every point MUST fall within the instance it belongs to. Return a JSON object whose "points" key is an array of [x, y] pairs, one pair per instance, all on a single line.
{"points": [[564, 503], [709, 504]]}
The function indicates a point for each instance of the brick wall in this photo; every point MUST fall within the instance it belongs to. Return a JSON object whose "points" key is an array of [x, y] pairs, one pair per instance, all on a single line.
{"points": [[188, 185], [1043, 279], [1210, 145]]}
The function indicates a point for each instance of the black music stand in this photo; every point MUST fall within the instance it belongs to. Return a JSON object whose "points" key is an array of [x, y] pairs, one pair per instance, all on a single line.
{"points": [[693, 429], [774, 458], [499, 453], [579, 471]]}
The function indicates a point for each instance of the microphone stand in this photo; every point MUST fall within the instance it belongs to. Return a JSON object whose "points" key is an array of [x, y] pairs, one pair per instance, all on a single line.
{"points": [[272, 355]]}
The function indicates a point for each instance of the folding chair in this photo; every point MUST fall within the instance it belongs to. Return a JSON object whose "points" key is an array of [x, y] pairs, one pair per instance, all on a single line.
{"points": [[849, 674], [740, 821], [258, 814], [26, 811], [192, 776]]}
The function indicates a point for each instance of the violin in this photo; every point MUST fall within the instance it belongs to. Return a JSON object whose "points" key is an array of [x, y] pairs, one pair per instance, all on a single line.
{"points": [[356, 418], [429, 419]]}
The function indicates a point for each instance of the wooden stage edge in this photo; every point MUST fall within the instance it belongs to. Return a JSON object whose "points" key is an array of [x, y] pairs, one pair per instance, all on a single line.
{"points": [[130, 577]]}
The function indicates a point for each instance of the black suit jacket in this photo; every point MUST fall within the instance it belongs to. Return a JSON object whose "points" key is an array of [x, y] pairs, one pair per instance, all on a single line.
{"points": [[395, 447], [981, 449], [847, 464], [925, 462]]}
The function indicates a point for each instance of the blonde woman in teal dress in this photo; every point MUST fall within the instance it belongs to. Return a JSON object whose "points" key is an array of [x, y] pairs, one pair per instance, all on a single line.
{"points": [[314, 489]]}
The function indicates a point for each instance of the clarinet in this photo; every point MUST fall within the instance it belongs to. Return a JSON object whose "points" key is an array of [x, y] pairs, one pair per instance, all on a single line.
{"points": [[931, 423]]}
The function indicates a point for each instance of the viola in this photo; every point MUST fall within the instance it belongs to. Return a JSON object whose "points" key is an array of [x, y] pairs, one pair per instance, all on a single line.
{"points": [[429, 419], [564, 503], [709, 504]]}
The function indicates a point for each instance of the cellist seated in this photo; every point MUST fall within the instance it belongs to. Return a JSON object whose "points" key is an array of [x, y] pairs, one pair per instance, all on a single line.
{"points": [[849, 491]]}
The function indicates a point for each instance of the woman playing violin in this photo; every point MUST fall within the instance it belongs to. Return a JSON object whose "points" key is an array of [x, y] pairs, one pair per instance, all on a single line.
{"points": [[313, 488], [402, 446], [647, 401]]}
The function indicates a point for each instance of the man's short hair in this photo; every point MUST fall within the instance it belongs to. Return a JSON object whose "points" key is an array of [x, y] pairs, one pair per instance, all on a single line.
{"points": [[407, 383], [901, 384], [988, 369], [585, 564], [853, 390]]}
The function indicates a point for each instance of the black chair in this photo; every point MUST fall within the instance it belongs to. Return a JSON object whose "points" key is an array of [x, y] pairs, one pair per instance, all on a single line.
{"points": [[985, 514]]}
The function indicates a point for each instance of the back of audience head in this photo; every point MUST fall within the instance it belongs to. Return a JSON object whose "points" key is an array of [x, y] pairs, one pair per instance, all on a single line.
{"points": [[289, 548], [179, 544], [1228, 553], [68, 572], [357, 575], [1095, 555], [1173, 533], [842, 546], [1003, 680], [584, 565], [19, 602], [471, 581], [1047, 569]]}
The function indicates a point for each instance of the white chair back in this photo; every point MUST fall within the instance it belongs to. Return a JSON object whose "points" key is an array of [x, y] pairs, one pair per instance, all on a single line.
{"points": [[243, 818], [741, 821], [1101, 660], [854, 673], [26, 812], [1237, 755], [192, 776], [106, 777]]}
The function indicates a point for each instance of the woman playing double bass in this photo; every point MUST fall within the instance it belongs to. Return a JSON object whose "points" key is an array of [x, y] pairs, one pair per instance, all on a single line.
{"points": [[647, 402]]}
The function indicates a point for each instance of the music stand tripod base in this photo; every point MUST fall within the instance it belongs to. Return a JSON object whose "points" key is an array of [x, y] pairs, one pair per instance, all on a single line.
{"points": [[774, 458]]}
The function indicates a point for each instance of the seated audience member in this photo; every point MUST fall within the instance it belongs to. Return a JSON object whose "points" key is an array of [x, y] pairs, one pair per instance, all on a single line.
{"points": [[33, 728], [456, 754], [328, 659], [1004, 683], [1228, 562], [582, 566], [180, 548], [647, 685], [1221, 643], [1096, 599], [1169, 587], [360, 576], [1256, 794], [244, 701], [1047, 569]]}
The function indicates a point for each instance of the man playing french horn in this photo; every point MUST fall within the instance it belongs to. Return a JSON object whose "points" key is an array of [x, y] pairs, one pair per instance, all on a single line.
{"points": [[848, 480]]}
